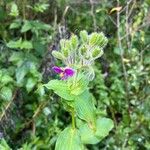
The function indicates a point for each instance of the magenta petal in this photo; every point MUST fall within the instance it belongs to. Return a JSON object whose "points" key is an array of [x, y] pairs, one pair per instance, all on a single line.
{"points": [[57, 69], [69, 72]]}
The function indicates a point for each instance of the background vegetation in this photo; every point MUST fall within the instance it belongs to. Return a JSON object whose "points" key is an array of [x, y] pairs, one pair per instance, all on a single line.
{"points": [[30, 116]]}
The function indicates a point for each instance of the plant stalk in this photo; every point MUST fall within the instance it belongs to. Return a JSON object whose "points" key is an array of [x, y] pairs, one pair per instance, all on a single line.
{"points": [[73, 119]]}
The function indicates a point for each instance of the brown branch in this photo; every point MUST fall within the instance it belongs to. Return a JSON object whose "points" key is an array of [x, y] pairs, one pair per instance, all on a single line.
{"points": [[36, 113], [122, 59], [135, 30], [131, 9], [38, 110], [8, 106], [93, 15], [112, 21], [127, 25]]}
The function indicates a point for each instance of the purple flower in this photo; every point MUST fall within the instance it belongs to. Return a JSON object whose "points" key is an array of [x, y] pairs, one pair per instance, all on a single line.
{"points": [[58, 69], [64, 73]]}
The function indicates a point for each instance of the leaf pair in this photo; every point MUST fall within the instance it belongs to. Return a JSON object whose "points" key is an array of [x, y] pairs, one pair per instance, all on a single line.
{"points": [[68, 90], [74, 139]]}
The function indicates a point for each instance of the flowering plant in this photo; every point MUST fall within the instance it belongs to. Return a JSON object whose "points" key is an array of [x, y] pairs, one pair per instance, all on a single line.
{"points": [[78, 55]]}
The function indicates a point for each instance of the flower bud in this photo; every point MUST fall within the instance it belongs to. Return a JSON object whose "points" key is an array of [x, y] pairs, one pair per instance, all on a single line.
{"points": [[65, 52], [83, 50], [74, 42], [84, 36], [98, 39], [97, 52], [58, 55]]}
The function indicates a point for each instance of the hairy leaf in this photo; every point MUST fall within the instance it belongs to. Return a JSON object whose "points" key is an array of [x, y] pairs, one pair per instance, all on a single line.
{"points": [[69, 139], [60, 88], [85, 108]]}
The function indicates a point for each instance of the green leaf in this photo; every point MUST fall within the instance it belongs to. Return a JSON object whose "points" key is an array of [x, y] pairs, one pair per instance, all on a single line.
{"points": [[26, 27], [40, 7], [20, 44], [40, 26], [68, 105], [1, 74], [5, 79], [39, 47], [16, 24], [93, 135], [85, 108], [103, 126], [31, 82], [40, 90], [14, 44], [14, 10], [17, 58], [4, 145], [26, 147], [20, 73], [146, 59], [6, 93], [60, 88], [80, 86], [87, 135], [69, 139], [117, 51], [79, 122], [26, 45]]}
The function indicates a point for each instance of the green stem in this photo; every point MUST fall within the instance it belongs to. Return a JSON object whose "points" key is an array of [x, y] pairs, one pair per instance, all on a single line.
{"points": [[73, 119]]}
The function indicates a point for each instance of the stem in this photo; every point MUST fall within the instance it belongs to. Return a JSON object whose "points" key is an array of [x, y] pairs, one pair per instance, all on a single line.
{"points": [[122, 61], [93, 15], [73, 119]]}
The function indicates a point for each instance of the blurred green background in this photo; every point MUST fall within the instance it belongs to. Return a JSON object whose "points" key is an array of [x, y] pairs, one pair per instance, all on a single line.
{"points": [[30, 116]]}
